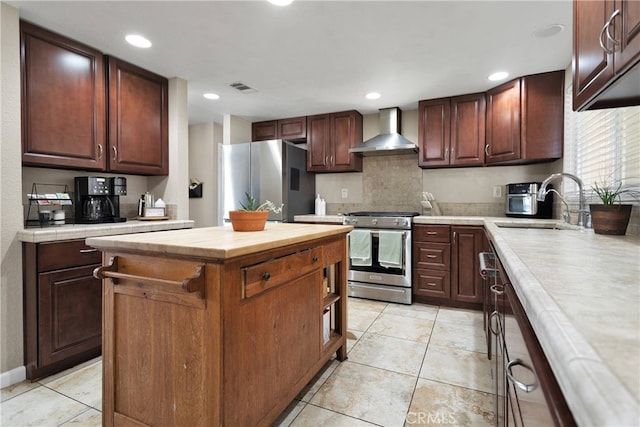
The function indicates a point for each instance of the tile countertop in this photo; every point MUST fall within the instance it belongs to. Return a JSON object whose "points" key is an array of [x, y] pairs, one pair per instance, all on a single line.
{"points": [[80, 231], [581, 293]]}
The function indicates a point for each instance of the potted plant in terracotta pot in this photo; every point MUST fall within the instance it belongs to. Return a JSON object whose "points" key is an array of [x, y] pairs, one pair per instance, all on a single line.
{"points": [[252, 216], [612, 216]]}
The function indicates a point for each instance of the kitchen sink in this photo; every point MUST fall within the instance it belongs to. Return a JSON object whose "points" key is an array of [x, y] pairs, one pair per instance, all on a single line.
{"points": [[538, 225]]}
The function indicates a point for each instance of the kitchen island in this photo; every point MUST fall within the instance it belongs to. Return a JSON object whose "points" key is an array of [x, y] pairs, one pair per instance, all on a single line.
{"points": [[213, 327]]}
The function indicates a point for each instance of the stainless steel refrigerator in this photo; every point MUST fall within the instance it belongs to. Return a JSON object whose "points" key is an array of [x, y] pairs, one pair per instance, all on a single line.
{"points": [[273, 170]]}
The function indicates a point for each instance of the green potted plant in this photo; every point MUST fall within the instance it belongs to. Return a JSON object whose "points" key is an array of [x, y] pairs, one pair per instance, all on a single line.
{"points": [[252, 216], [612, 216]]}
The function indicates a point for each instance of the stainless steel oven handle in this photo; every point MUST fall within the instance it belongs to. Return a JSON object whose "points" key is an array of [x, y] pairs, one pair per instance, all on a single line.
{"points": [[390, 289]]}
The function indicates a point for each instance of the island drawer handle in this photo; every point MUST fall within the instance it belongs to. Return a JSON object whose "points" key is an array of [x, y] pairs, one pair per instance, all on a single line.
{"points": [[432, 232], [195, 283], [432, 256], [527, 388], [86, 251]]}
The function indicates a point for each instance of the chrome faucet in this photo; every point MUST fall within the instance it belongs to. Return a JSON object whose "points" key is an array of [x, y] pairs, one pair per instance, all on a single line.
{"points": [[565, 213], [583, 214]]}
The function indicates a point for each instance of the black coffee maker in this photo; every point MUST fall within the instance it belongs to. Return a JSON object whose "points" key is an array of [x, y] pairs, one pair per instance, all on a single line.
{"points": [[97, 199]]}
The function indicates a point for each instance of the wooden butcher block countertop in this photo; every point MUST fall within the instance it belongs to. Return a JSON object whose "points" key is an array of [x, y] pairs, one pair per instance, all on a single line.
{"points": [[219, 243]]}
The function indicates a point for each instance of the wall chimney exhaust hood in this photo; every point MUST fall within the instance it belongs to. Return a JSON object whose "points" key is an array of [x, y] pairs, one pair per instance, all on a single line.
{"points": [[389, 141]]}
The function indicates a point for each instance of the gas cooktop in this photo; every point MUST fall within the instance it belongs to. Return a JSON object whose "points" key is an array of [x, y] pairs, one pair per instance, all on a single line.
{"points": [[383, 214]]}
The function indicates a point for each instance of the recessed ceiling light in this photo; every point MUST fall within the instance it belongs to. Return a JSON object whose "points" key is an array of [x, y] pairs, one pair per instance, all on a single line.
{"points": [[500, 75], [372, 95], [549, 31], [211, 96], [138, 41], [281, 2]]}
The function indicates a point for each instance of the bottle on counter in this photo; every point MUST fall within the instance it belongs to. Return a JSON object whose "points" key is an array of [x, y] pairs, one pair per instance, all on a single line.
{"points": [[141, 205], [318, 201], [323, 208]]}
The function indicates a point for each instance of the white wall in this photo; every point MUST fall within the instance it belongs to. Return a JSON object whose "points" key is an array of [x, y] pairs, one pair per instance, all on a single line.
{"points": [[11, 341], [174, 188], [203, 166]]}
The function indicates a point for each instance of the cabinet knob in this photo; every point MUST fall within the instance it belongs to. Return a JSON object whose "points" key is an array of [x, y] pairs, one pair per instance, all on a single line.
{"points": [[314, 259], [266, 276]]}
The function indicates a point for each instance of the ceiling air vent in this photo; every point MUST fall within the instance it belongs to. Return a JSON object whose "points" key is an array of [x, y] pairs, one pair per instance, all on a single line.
{"points": [[243, 87]]}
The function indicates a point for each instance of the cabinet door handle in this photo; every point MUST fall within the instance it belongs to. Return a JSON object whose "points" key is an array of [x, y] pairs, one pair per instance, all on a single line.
{"points": [[115, 153], [100, 151], [527, 388], [605, 30], [446, 153], [497, 289], [486, 149], [492, 316], [86, 251], [455, 236]]}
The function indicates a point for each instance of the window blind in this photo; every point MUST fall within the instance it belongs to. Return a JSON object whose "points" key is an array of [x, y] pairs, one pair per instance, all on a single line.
{"points": [[601, 146]]}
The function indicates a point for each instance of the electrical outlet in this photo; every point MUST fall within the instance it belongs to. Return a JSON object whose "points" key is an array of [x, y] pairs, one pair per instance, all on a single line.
{"points": [[497, 191], [345, 193]]}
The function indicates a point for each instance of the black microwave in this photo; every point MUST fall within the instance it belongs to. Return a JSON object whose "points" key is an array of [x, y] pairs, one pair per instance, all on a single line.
{"points": [[522, 203]]}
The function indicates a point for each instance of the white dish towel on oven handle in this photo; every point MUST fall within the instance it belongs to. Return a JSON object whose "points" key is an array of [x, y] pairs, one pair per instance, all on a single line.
{"points": [[390, 249], [360, 247]]}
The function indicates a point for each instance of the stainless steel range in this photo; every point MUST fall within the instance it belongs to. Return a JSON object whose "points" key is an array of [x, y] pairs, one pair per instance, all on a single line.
{"points": [[380, 255]]}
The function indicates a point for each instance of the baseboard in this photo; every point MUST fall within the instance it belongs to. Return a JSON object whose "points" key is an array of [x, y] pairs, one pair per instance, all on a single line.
{"points": [[13, 376]]}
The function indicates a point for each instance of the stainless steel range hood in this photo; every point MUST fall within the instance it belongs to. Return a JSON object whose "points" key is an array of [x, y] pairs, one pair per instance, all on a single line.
{"points": [[389, 141]]}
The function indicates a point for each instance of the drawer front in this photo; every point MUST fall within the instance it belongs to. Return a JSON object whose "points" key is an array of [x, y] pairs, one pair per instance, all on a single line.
{"points": [[266, 275], [66, 254], [436, 256], [432, 233], [431, 283]]}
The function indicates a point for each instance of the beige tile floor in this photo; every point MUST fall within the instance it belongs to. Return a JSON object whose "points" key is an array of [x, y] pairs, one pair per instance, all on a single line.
{"points": [[407, 365]]}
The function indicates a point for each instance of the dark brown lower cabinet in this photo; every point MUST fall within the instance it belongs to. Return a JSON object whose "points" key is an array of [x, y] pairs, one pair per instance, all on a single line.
{"points": [[526, 391], [446, 266], [62, 306]]}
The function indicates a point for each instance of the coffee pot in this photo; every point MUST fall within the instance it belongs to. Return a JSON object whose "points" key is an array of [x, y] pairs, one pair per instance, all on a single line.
{"points": [[93, 208]]}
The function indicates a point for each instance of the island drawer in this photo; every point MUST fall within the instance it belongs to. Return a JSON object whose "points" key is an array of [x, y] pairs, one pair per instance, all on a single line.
{"points": [[266, 275]]}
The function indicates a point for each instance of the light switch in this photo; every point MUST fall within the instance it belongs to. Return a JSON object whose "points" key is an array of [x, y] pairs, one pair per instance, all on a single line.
{"points": [[345, 193]]}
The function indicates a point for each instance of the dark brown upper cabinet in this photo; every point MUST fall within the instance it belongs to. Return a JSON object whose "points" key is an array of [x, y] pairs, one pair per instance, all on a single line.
{"points": [[329, 138], [525, 120], [451, 131], [82, 110], [292, 129], [606, 54], [138, 120], [63, 101]]}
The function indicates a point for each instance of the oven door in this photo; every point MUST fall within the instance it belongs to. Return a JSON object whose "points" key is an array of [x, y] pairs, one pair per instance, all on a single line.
{"points": [[376, 273]]}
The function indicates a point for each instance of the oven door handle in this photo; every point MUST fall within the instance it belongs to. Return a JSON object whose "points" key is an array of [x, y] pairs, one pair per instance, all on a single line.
{"points": [[390, 289]]}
